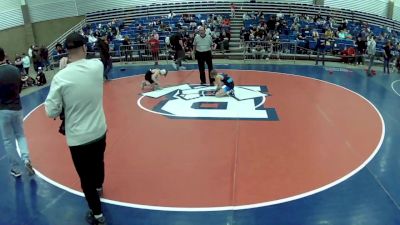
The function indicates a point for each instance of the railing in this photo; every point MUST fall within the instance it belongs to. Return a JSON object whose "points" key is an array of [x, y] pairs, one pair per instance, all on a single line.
{"points": [[252, 51], [61, 39], [143, 53], [266, 50], [269, 50]]}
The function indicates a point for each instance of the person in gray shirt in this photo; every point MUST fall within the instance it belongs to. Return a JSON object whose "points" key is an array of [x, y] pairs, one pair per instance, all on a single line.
{"points": [[11, 117], [78, 91]]}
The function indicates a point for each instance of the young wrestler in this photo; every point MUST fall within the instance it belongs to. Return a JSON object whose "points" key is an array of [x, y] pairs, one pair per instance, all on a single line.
{"points": [[224, 82], [151, 78]]}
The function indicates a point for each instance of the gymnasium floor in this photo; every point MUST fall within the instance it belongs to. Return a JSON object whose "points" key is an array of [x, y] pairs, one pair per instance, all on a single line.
{"points": [[298, 144]]}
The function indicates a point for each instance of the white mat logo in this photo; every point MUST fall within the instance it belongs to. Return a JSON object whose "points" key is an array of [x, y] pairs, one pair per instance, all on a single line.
{"points": [[198, 102]]}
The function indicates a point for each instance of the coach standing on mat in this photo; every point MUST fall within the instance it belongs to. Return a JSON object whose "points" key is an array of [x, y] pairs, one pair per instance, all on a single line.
{"points": [[78, 89], [202, 48]]}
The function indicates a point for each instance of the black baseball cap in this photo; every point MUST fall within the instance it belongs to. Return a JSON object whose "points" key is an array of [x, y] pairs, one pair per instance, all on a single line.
{"points": [[74, 40]]}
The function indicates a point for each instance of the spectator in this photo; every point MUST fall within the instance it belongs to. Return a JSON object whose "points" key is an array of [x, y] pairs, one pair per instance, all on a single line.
{"points": [[233, 9], [127, 48], [155, 35], [320, 48], [167, 40], [171, 14], [59, 52], [276, 45], [154, 45], [177, 45], [105, 56], [19, 64], [224, 38], [348, 55], [11, 122], [329, 34], [361, 48], [371, 50], [189, 45], [26, 62], [41, 77], [44, 55], [37, 61], [246, 16], [387, 55], [280, 16], [258, 51], [295, 27], [118, 37]]}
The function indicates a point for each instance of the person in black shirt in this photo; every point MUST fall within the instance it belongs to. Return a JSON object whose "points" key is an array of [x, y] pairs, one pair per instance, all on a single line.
{"points": [[387, 55], [44, 55], [11, 122], [177, 45], [361, 48], [105, 56], [320, 48]]}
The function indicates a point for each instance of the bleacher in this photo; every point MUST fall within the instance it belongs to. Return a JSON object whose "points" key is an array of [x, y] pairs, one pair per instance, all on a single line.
{"points": [[143, 14], [207, 7], [148, 25]]}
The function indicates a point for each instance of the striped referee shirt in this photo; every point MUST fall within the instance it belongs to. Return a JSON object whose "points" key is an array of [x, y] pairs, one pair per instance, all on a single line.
{"points": [[202, 44]]}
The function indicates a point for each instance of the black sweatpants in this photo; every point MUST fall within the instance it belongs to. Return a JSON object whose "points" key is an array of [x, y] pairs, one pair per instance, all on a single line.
{"points": [[89, 163], [204, 57]]}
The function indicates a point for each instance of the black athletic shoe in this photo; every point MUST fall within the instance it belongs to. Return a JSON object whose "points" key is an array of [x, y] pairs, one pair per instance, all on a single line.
{"points": [[15, 173], [93, 221]]}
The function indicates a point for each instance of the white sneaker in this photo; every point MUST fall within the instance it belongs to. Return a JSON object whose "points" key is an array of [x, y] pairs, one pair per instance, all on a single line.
{"points": [[182, 68]]}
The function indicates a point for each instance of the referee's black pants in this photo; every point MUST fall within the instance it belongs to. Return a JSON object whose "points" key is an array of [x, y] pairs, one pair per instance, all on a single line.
{"points": [[89, 163], [205, 57]]}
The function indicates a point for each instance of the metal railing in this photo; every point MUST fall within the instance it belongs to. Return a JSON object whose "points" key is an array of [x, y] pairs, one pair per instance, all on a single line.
{"points": [[249, 51], [61, 39], [143, 53], [269, 50], [254, 50]]}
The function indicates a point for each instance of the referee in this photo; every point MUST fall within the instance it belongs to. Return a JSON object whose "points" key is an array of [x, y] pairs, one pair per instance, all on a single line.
{"points": [[202, 48]]}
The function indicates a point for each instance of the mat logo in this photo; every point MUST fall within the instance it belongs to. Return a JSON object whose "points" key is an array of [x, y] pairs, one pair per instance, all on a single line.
{"points": [[198, 102]]}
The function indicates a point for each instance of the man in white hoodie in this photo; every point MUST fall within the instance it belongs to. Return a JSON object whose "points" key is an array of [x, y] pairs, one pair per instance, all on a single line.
{"points": [[78, 90], [371, 49]]}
